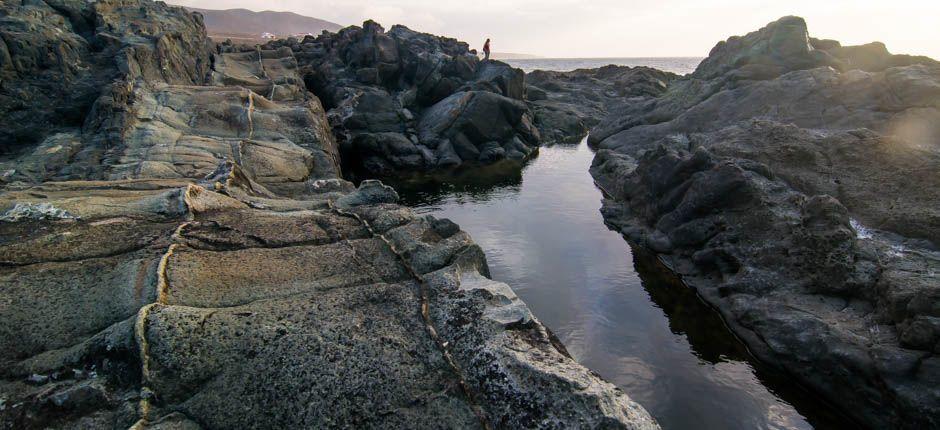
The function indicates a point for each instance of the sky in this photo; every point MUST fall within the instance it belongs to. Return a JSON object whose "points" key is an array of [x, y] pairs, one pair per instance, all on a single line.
{"points": [[625, 28]]}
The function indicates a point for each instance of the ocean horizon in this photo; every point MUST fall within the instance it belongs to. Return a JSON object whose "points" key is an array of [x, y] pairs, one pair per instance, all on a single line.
{"points": [[679, 65]]}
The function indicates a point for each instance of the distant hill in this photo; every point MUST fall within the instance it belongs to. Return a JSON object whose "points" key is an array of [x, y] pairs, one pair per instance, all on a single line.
{"points": [[244, 23]]}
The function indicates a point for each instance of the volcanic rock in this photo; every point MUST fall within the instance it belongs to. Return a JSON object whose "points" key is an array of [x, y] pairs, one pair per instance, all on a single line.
{"points": [[789, 181], [566, 105], [402, 102]]}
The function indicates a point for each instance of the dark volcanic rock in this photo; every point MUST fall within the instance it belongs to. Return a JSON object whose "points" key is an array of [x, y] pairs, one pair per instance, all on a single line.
{"points": [[782, 46], [380, 86], [792, 182], [757, 76], [567, 104]]}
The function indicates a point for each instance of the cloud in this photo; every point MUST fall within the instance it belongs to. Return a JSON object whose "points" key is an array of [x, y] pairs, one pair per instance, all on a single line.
{"points": [[609, 28]]}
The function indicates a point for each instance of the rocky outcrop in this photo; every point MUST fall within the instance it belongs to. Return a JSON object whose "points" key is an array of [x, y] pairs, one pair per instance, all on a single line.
{"points": [[191, 258], [255, 110], [343, 308], [790, 182], [756, 76], [59, 59], [567, 104], [403, 102]]}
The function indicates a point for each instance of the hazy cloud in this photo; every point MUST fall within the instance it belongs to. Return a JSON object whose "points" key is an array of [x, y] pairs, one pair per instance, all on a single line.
{"points": [[611, 28]]}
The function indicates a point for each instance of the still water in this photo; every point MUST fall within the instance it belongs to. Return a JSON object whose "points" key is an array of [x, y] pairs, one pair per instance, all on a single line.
{"points": [[612, 307]]}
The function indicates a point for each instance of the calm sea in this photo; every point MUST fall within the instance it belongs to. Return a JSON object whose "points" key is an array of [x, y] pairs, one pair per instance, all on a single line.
{"points": [[680, 65]]}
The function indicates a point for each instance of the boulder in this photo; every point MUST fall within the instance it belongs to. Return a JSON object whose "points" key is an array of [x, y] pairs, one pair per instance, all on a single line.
{"points": [[379, 86], [475, 121], [781, 46]]}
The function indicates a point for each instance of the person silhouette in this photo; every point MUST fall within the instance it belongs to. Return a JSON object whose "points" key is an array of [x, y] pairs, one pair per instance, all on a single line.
{"points": [[486, 50]]}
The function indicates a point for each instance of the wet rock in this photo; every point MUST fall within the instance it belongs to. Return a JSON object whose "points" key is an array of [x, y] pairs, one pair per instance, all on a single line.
{"points": [[88, 395], [922, 332]]}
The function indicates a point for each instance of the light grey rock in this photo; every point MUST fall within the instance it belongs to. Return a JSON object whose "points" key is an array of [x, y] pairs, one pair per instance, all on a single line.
{"points": [[39, 211]]}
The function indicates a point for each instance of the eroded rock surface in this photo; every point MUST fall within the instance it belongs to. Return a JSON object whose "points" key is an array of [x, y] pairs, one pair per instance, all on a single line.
{"points": [[185, 255], [402, 102], [792, 182], [63, 61], [251, 108]]}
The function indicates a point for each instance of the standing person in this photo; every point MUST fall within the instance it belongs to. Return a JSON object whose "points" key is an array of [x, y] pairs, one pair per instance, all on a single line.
{"points": [[486, 50]]}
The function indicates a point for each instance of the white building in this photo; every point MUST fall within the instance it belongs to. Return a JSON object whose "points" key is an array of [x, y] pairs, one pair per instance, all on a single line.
{"points": [[267, 35]]}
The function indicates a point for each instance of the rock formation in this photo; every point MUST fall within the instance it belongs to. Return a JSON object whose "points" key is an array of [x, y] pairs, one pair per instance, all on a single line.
{"points": [[402, 102], [567, 104], [792, 182], [57, 56], [178, 250]]}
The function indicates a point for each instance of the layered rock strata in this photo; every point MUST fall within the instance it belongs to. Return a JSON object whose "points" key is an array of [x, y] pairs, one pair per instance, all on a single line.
{"points": [[182, 253]]}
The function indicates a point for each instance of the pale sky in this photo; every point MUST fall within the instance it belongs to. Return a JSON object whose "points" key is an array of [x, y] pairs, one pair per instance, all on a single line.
{"points": [[626, 28]]}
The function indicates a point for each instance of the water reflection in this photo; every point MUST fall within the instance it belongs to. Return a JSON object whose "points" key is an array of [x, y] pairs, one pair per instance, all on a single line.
{"points": [[615, 309]]}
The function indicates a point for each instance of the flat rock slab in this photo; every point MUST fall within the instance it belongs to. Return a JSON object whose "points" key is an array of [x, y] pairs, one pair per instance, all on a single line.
{"points": [[231, 316], [218, 279], [355, 356]]}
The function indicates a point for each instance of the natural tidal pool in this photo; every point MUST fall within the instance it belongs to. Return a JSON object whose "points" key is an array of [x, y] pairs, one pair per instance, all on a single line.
{"points": [[614, 308]]}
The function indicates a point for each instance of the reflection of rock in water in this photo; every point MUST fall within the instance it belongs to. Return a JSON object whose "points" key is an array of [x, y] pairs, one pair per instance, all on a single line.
{"points": [[712, 341], [688, 315], [478, 182]]}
